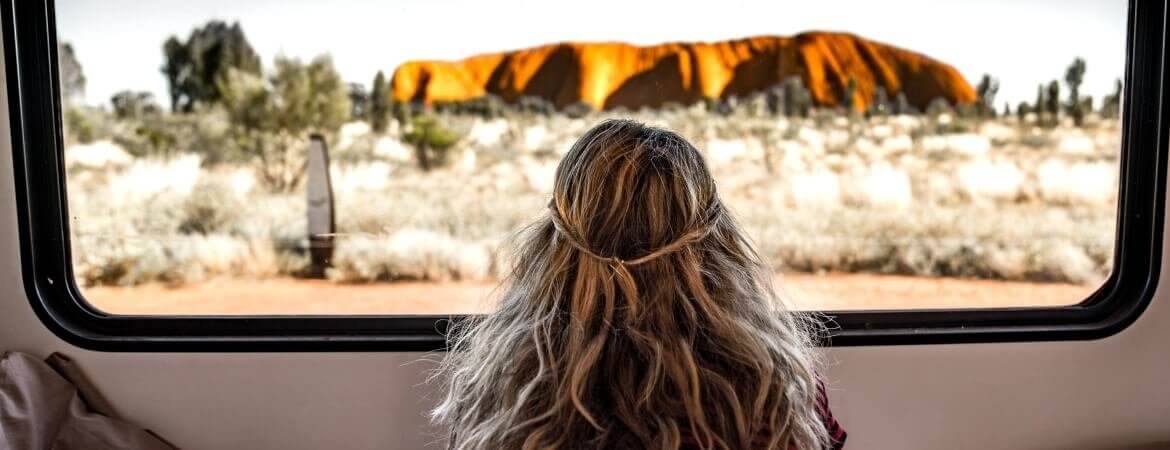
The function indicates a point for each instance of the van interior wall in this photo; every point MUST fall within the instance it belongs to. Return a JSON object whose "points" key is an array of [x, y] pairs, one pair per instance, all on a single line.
{"points": [[1108, 393]]}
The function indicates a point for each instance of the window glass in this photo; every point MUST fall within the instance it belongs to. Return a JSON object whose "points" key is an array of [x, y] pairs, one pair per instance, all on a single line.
{"points": [[355, 157]]}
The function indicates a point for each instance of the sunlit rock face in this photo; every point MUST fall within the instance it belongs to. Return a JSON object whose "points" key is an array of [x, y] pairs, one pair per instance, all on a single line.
{"points": [[607, 75]]}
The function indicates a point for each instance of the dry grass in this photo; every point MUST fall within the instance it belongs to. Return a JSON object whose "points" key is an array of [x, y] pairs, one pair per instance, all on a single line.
{"points": [[282, 296], [886, 195]]}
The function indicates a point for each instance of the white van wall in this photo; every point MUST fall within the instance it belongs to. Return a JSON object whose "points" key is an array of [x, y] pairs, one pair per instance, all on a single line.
{"points": [[1110, 393]]}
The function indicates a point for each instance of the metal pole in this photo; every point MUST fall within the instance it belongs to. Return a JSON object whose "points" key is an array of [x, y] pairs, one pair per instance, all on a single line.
{"points": [[319, 188]]}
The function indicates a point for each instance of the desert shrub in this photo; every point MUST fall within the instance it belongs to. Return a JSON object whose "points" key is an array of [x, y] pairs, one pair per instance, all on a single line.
{"points": [[1111, 103], [432, 142], [359, 149], [985, 93], [272, 120], [473, 209], [85, 125], [941, 241], [975, 206], [126, 261], [535, 105], [211, 208], [578, 110], [755, 105], [133, 104], [204, 132], [720, 106], [489, 106], [939, 106], [946, 124], [410, 255], [359, 100]]}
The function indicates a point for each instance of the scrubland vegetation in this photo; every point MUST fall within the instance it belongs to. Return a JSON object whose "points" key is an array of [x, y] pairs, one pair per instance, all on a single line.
{"points": [[887, 194], [215, 187]]}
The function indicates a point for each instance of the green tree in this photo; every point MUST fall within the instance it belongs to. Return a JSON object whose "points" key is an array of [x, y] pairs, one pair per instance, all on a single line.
{"points": [[359, 102], [1074, 76], [193, 68], [985, 91], [380, 103], [272, 119], [1041, 101], [72, 77], [1111, 104], [133, 104], [797, 99], [1022, 111], [1052, 102], [431, 141]]}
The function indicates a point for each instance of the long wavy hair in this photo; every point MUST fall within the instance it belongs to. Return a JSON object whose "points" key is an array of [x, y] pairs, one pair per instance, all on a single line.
{"points": [[637, 315]]}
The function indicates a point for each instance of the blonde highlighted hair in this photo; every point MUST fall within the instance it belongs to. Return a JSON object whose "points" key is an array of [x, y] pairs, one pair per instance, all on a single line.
{"points": [[637, 315]]}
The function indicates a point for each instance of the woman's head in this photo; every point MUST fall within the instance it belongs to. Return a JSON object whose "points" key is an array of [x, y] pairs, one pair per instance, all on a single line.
{"points": [[637, 316]]}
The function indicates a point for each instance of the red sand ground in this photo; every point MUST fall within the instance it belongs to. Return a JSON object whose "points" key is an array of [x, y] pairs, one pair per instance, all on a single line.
{"points": [[291, 297]]}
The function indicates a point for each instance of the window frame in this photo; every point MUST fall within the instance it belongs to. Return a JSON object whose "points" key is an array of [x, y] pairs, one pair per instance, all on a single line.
{"points": [[36, 124]]}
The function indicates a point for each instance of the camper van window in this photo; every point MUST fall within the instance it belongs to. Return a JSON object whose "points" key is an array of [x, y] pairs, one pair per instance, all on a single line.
{"points": [[377, 159]]}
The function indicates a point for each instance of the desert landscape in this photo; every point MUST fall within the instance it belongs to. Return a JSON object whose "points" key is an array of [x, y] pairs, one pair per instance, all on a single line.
{"points": [[869, 176]]}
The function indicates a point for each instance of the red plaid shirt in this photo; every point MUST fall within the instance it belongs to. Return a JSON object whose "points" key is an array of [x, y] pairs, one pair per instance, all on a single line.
{"points": [[837, 434]]}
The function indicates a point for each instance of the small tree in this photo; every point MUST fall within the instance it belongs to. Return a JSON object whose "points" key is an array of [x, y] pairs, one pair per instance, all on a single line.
{"points": [[72, 77], [404, 112], [431, 141], [1111, 104], [379, 103], [193, 68], [985, 91], [902, 104], [1086, 104], [939, 106], [797, 99], [359, 101], [1041, 101], [774, 97], [1052, 102], [133, 104], [272, 119], [1073, 76], [1022, 111]]}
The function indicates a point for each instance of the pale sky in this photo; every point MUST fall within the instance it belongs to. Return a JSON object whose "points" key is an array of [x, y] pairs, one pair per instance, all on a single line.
{"points": [[1021, 42]]}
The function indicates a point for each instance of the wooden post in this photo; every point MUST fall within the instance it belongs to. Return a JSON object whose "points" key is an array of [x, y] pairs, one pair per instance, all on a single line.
{"points": [[320, 198]]}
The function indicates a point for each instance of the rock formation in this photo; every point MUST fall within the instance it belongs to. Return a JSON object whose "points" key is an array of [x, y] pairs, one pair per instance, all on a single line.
{"points": [[610, 74]]}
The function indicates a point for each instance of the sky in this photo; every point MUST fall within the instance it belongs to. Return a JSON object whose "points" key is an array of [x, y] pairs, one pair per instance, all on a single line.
{"points": [[1020, 42]]}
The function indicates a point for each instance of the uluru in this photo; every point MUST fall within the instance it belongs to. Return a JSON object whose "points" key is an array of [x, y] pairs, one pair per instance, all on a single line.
{"points": [[607, 75]]}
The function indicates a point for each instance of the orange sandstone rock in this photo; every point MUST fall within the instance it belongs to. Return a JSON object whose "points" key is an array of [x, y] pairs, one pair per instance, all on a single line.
{"points": [[612, 74]]}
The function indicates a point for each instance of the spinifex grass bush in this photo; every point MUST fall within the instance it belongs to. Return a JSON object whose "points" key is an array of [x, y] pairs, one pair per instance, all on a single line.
{"points": [[996, 199]]}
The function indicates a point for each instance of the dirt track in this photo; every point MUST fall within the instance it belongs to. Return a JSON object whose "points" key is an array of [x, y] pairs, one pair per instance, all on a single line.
{"points": [[290, 296]]}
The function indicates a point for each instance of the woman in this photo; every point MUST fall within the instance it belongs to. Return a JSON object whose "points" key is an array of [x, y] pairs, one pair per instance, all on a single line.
{"points": [[637, 316]]}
